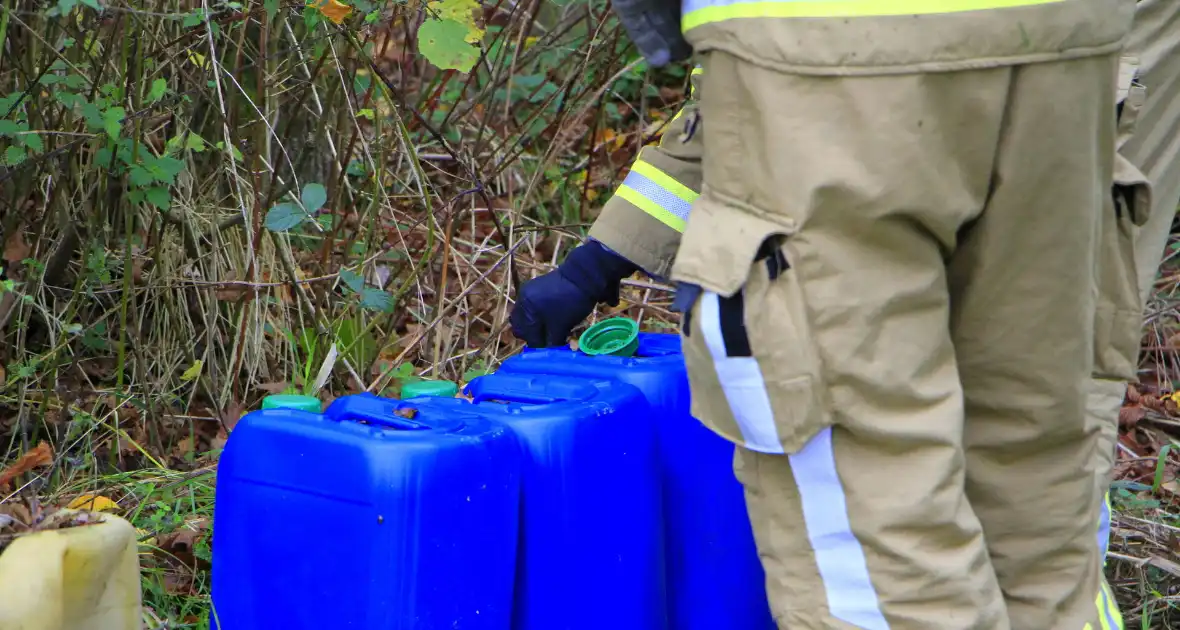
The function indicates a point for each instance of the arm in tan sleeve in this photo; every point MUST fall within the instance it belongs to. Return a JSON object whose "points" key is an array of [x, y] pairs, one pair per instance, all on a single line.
{"points": [[644, 219]]}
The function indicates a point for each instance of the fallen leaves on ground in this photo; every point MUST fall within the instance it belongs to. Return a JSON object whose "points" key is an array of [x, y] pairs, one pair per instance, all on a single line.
{"points": [[38, 457], [93, 503], [176, 552], [21, 517]]}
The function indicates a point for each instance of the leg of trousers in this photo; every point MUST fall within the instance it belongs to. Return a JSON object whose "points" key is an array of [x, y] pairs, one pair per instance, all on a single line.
{"points": [[909, 383]]}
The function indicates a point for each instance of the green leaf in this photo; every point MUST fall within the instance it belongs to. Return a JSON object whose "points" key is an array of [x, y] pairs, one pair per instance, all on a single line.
{"points": [[113, 121], [10, 127], [283, 217], [361, 83], [194, 18], [475, 372], [171, 167], [160, 197], [7, 102], [33, 142], [272, 9], [93, 115], [140, 177], [236, 152], [14, 155], [75, 81], [356, 168], [93, 4], [195, 143], [159, 89], [443, 44], [65, 6], [352, 280], [376, 300], [312, 19], [314, 197]]}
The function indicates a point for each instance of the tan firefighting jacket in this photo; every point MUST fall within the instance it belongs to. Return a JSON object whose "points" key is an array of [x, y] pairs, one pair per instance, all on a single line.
{"points": [[644, 219]]}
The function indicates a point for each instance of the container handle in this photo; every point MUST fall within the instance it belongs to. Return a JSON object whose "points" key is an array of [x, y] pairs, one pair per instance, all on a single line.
{"points": [[374, 409], [529, 389]]}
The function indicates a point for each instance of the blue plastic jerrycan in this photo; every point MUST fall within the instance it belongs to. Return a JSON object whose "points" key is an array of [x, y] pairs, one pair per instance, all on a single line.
{"points": [[591, 547], [378, 514], [714, 577]]}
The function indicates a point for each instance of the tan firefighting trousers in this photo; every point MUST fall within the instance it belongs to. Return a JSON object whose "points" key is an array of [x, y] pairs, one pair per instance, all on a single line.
{"points": [[1133, 241], [911, 375]]}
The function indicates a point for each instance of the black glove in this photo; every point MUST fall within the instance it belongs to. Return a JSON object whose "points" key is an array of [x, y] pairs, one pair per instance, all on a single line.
{"points": [[548, 307], [654, 27]]}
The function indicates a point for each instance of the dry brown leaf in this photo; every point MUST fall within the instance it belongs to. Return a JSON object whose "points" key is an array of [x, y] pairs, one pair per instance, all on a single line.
{"points": [[16, 249], [1131, 416], [218, 441], [178, 583], [231, 292], [17, 510], [274, 388], [185, 446], [1133, 395], [1153, 403], [40, 456], [231, 414], [181, 543]]}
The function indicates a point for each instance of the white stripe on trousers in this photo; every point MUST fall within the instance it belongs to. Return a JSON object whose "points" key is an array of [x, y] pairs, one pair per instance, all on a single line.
{"points": [[838, 554]]}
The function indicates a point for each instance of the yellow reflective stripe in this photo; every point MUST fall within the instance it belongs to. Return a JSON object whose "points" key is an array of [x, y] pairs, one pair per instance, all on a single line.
{"points": [[1109, 609], [665, 181], [697, 70], [698, 12], [658, 194], [651, 208]]}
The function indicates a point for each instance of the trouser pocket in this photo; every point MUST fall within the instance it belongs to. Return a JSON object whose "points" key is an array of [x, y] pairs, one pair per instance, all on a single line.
{"points": [[1118, 320], [751, 358]]}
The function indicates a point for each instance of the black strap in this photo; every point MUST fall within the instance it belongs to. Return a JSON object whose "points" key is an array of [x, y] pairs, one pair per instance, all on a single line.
{"points": [[772, 252], [732, 316]]}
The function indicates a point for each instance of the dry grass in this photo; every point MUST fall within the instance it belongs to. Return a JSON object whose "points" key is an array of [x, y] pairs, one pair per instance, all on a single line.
{"points": [[440, 192], [1144, 564], [149, 296]]}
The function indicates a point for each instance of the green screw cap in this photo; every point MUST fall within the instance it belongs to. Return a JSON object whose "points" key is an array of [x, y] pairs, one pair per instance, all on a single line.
{"points": [[441, 389], [617, 336], [293, 401]]}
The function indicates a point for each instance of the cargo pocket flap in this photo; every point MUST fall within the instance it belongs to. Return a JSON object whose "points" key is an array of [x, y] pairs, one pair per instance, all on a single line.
{"points": [[720, 244], [1132, 191]]}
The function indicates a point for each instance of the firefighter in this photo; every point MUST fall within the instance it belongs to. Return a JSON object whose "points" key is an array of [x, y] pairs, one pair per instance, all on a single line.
{"points": [[883, 219]]}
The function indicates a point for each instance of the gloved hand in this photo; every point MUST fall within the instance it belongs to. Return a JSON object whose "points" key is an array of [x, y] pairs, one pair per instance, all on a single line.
{"points": [[548, 307]]}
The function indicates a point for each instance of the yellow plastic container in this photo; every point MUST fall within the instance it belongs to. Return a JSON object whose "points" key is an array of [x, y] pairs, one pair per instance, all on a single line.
{"points": [[77, 578]]}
